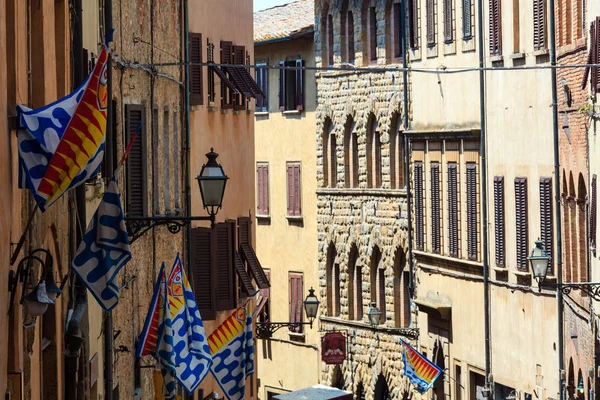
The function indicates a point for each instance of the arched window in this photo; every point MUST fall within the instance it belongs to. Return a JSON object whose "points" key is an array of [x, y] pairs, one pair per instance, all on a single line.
{"points": [[401, 290], [378, 283], [327, 128], [350, 37], [332, 277], [581, 229], [359, 292], [369, 36], [353, 290], [571, 388], [373, 154], [333, 159], [572, 207], [567, 227], [580, 394], [382, 391], [350, 154], [330, 39], [396, 154]]}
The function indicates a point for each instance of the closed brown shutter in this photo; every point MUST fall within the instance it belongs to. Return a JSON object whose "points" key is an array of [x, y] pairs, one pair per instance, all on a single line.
{"points": [[499, 222], [546, 227], [259, 189], [290, 190], [466, 19], [195, 51], [297, 194], [225, 266], [453, 209], [596, 70], [418, 188], [262, 176], [435, 208], [300, 85], [472, 231], [282, 79], [413, 20], [448, 31], [539, 24], [495, 33], [137, 178], [204, 277], [296, 300], [521, 222], [591, 60], [247, 252], [431, 23], [593, 216]]}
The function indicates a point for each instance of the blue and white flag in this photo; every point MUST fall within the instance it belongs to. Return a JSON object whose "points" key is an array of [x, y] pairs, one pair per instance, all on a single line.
{"points": [[183, 347], [104, 249]]}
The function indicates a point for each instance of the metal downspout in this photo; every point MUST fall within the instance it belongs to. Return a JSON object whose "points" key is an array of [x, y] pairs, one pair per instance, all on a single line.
{"points": [[188, 193], [484, 190]]}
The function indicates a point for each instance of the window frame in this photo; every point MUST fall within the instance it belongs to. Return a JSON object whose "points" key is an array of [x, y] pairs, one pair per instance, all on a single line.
{"points": [[295, 314], [294, 208], [140, 145], [298, 86], [265, 210], [262, 105]]}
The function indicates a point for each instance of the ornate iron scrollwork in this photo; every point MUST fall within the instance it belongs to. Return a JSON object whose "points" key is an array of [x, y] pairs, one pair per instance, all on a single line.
{"points": [[265, 330], [138, 226], [592, 289]]}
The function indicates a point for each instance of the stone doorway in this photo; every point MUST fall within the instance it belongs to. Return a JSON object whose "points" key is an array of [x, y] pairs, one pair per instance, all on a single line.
{"points": [[382, 392]]}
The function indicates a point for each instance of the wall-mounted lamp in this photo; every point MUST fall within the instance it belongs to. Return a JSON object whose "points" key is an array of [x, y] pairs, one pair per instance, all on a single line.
{"points": [[373, 314]]}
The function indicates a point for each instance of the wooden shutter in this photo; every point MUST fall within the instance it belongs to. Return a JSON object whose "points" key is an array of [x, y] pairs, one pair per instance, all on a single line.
{"points": [[499, 229], [539, 24], [448, 31], [453, 209], [290, 190], [593, 217], [413, 20], [495, 27], [521, 222], [226, 58], [596, 70], [262, 175], [226, 288], [297, 194], [546, 227], [262, 80], [419, 232], [248, 254], [282, 83], [296, 300], [435, 208], [239, 58], [204, 279], [591, 59], [245, 281], [195, 52], [472, 231], [137, 179], [430, 23], [300, 85], [467, 13]]}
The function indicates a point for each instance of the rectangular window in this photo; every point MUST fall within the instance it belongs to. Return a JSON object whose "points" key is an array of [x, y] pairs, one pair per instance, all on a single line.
{"points": [[516, 27], [155, 177], [136, 166], [499, 221], [458, 386], [448, 20], [262, 80], [210, 57], [431, 23], [330, 38], [262, 179], [453, 209], [593, 216], [167, 167], [472, 231], [413, 24], [521, 222], [467, 19], [419, 231], [296, 291], [372, 33], [293, 190], [195, 54], [398, 29], [546, 227], [539, 25], [495, 28], [291, 86], [176, 158], [350, 37], [435, 208]]}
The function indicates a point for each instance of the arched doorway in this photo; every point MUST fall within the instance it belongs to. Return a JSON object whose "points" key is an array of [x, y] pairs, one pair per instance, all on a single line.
{"points": [[337, 378], [382, 392], [360, 392]]}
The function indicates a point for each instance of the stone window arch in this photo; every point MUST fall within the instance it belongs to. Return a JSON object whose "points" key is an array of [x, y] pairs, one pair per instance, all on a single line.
{"points": [[396, 153], [325, 140], [350, 154], [353, 289], [332, 277], [401, 290], [581, 229], [374, 177], [378, 283]]}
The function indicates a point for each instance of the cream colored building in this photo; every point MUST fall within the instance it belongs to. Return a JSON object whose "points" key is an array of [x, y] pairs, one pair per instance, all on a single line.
{"points": [[286, 218]]}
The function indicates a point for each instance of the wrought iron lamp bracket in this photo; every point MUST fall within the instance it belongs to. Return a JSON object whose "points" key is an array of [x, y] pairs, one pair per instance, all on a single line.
{"points": [[138, 226], [592, 289], [265, 330]]}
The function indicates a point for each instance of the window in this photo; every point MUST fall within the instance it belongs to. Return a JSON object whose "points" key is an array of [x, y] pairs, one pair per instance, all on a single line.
{"points": [[333, 161], [499, 221], [167, 167], [396, 158], [435, 208], [593, 215], [236, 83], [293, 190], [336, 290], [262, 80], [331, 294], [472, 199], [350, 154], [195, 54], [521, 222], [401, 290], [467, 19], [397, 30], [413, 24], [327, 129], [372, 34], [296, 291], [458, 386], [448, 21], [418, 188], [176, 158], [539, 24], [546, 227], [377, 179], [291, 86], [373, 155], [431, 25], [210, 57], [517, 26], [262, 190], [359, 293], [155, 174], [350, 38], [137, 179], [330, 39], [453, 209], [353, 291], [378, 282], [495, 28]]}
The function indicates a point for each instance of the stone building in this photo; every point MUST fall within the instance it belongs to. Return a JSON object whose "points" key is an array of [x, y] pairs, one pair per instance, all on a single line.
{"points": [[286, 201]]}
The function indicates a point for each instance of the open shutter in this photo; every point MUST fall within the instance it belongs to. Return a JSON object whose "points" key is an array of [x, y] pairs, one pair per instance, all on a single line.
{"points": [[245, 245], [195, 52], [453, 209], [239, 58], [226, 92], [521, 222], [472, 231], [448, 36], [244, 278], [430, 22], [137, 179], [282, 83], [203, 271], [225, 299], [414, 24], [495, 27], [296, 309], [419, 233], [466, 19], [435, 207], [300, 85], [593, 217], [499, 222], [546, 227]]}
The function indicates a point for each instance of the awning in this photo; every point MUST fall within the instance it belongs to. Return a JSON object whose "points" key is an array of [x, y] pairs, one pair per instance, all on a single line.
{"points": [[317, 392]]}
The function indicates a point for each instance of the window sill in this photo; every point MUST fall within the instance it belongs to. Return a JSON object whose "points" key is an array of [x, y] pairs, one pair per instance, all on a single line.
{"points": [[297, 337], [496, 58], [261, 113], [212, 107], [362, 191], [543, 52], [521, 273], [263, 216], [291, 112], [294, 217], [448, 258], [516, 56]]}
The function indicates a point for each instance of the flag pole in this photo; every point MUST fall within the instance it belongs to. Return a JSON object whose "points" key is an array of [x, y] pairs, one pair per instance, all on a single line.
{"points": [[21, 242]]}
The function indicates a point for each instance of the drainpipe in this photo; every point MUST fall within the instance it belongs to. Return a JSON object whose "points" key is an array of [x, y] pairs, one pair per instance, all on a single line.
{"points": [[188, 193], [559, 295], [484, 190]]}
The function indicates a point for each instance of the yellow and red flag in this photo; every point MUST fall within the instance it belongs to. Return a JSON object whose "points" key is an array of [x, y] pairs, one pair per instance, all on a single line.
{"points": [[420, 371]]}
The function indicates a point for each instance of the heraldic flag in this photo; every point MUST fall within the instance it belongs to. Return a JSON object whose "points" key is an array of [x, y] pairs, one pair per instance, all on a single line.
{"points": [[61, 145], [420, 371], [104, 249], [148, 339], [182, 349], [232, 348]]}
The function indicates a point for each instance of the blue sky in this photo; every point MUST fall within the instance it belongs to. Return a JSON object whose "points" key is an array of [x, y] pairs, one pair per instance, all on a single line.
{"points": [[262, 4]]}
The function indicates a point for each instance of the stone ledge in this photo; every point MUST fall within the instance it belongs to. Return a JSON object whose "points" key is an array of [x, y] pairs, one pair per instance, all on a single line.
{"points": [[362, 192], [364, 326]]}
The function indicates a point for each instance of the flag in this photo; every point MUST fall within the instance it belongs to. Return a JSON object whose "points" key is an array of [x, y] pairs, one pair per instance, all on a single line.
{"points": [[148, 339], [232, 348], [61, 145], [104, 249], [420, 371], [183, 347]]}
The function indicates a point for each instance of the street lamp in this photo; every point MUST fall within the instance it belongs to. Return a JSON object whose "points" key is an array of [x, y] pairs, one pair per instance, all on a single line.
{"points": [[265, 330], [373, 314], [211, 180]]}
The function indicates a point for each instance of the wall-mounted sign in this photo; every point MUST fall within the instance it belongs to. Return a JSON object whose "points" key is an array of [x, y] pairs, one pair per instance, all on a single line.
{"points": [[333, 348]]}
